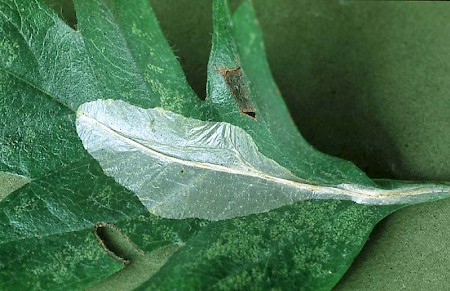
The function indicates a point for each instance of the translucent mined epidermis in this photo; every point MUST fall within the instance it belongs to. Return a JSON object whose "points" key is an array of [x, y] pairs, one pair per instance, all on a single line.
{"points": [[183, 167]]}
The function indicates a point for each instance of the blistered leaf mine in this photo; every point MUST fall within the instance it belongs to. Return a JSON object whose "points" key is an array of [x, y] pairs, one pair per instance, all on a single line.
{"points": [[182, 167]]}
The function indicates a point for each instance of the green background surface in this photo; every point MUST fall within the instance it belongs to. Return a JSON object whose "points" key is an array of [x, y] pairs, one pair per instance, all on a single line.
{"points": [[365, 81]]}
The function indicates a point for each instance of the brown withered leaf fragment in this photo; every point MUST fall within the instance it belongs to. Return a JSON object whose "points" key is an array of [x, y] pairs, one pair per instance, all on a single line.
{"points": [[239, 88]]}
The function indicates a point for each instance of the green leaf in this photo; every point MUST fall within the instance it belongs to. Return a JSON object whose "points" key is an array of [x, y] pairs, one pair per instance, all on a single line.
{"points": [[130, 58], [52, 228]]}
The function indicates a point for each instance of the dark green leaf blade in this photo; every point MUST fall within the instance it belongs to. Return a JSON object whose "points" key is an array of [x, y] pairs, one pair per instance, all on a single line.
{"points": [[38, 48], [57, 210], [37, 135], [308, 245], [40, 89], [68, 260], [131, 57]]}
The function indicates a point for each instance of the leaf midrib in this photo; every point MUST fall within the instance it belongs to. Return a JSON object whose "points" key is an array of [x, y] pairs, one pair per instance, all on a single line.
{"points": [[357, 191]]}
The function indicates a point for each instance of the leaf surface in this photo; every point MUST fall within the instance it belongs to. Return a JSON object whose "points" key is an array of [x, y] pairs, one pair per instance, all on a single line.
{"points": [[49, 228]]}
